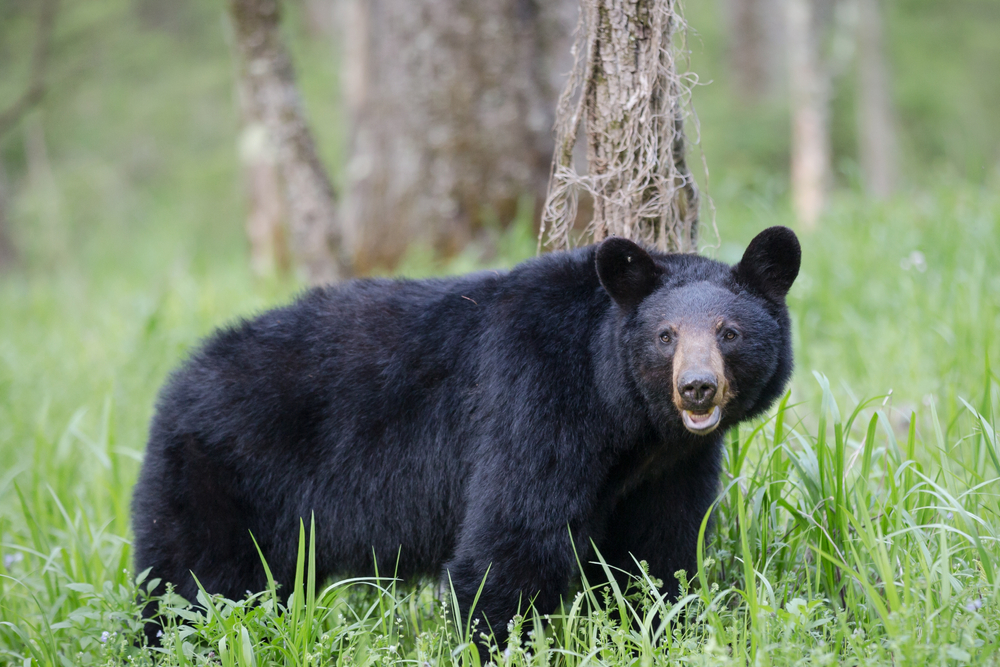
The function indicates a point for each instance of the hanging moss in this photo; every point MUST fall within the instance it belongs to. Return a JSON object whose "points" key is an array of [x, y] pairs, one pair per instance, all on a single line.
{"points": [[629, 97]]}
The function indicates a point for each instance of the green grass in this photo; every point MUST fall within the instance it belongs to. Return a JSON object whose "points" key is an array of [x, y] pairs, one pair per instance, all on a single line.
{"points": [[865, 522]]}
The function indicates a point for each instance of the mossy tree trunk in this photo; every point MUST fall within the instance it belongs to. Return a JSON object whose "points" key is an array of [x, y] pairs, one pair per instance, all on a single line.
{"points": [[273, 109], [451, 106], [809, 88], [267, 219], [8, 252], [13, 114], [628, 95], [877, 145], [756, 48]]}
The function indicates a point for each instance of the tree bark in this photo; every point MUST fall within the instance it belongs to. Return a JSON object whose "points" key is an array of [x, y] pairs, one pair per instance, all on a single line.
{"points": [[451, 106], [877, 147], [273, 104], [628, 92], [809, 85], [757, 48], [319, 17], [266, 218], [36, 88], [8, 251]]}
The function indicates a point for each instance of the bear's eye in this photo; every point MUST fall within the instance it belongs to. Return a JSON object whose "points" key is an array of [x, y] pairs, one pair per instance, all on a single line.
{"points": [[729, 335], [665, 336]]}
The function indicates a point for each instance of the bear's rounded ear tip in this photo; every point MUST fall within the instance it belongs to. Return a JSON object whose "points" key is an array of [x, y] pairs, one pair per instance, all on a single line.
{"points": [[771, 261], [615, 243], [626, 270], [781, 234], [778, 240], [616, 248]]}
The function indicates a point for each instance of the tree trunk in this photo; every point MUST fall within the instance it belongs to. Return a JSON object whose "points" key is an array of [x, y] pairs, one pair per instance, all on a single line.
{"points": [[757, 48], [8, 252], [319, 17], [627, 91], [34, 139], [266, 219], [451, 106], [809, 85], [37, 86], [876, 126], [273, 104]]}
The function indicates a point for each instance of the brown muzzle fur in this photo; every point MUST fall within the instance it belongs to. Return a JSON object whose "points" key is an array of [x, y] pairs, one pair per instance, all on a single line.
{"points": [[699, 372]]}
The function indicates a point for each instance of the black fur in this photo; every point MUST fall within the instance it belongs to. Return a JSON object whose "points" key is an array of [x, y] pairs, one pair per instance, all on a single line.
{"points": [[463, 423], [627, 272]]}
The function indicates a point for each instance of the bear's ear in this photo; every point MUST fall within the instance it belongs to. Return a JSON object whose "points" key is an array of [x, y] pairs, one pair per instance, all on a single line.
{"points": [[627, 272], [770, 263]]}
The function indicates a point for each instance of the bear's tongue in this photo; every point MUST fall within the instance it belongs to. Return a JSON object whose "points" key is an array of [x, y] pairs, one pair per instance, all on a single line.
{"points": [[702, 423]]}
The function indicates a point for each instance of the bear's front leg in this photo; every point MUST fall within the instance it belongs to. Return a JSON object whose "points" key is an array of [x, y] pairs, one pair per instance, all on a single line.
{"points": [[517, 564], [659, 521]]}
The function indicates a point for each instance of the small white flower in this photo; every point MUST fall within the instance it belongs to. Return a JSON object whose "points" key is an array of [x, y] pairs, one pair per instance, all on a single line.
{"points": [[915, 260], [105, 636]]}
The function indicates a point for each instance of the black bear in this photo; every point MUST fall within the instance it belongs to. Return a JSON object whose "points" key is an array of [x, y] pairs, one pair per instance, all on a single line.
{"points": [[464, 424]]}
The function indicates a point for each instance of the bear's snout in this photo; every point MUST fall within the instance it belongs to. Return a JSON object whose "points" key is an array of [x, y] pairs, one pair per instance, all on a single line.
{"points": [[700, 388], [697, 389]]}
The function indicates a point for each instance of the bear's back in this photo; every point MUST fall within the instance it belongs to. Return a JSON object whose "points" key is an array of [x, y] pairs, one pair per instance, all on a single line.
{"points": [[366, 399]]}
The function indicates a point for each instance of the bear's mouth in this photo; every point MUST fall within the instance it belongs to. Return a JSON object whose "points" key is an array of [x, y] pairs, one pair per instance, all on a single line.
{"points": [[702, 423]]}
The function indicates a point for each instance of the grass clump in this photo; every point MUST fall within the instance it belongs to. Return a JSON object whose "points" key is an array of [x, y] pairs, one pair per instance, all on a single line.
{"points": [[837, 543]]}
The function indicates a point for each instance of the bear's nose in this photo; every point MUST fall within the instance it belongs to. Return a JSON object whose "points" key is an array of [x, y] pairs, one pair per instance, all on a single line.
{"points": [[697, 388]]}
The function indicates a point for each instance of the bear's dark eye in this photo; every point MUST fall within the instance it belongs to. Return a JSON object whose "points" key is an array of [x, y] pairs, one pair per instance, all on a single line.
{"points": [[729, 335], [665, 336]]}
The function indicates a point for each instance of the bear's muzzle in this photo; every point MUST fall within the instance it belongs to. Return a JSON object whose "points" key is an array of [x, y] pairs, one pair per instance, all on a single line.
{"points": [[700, 387]]}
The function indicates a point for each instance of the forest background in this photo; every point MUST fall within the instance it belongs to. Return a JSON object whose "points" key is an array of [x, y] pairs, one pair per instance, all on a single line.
{"points": [[122, 211]]}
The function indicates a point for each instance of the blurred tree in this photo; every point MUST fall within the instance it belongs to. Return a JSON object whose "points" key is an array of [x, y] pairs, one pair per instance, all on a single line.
{"points": [[9, 117], [174, 16], [809, 87], [8, 252], [319, 17], [266, 221], [877, 147], [35, 90], [627, 91], [273, 112], [756, 46], [821, 44], [451, 106]]}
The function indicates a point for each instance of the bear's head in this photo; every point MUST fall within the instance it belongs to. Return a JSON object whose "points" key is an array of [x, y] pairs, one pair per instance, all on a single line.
{"points": [[707, 344]]}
